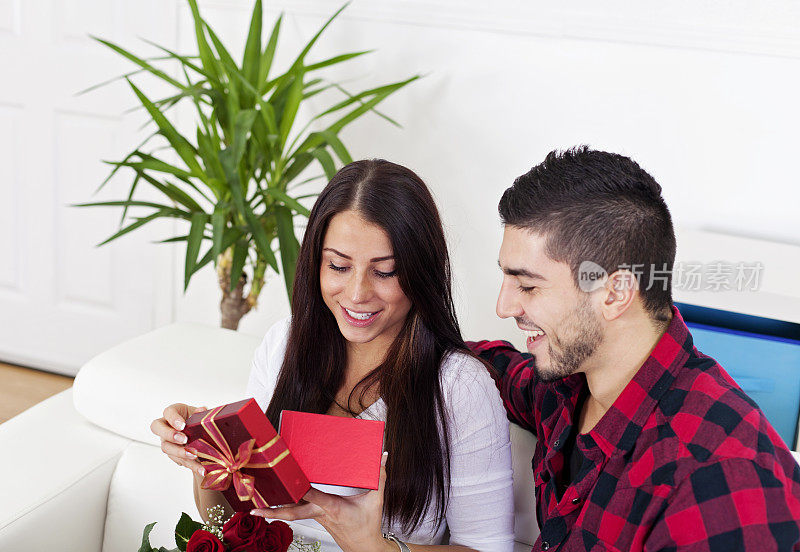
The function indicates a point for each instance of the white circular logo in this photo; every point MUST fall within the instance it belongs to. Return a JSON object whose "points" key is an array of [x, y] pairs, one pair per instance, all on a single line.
{"points": [[591, 276]]}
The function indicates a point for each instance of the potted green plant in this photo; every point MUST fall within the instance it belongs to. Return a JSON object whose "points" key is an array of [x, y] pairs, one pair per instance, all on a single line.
{"points": [[235, 181]]}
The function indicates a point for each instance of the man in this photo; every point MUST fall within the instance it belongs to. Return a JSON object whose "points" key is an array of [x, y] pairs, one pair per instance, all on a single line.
{"points": [[644, 443]]}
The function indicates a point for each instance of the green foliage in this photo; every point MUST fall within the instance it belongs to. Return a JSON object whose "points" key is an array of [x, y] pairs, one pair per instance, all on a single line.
{"points": [[146, 547], [184, 530], [234, 179]]}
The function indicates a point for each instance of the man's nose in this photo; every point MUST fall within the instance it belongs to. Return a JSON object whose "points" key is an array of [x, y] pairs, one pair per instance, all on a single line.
{"points": [[359, 288], [507, 304]]}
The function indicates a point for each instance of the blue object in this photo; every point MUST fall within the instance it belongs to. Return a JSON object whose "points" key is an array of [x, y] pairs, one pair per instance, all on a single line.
{"points": [[766, 367]]}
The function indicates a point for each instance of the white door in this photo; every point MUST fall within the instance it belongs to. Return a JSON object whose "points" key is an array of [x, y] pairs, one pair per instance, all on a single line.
{"points": [[62, 300]]}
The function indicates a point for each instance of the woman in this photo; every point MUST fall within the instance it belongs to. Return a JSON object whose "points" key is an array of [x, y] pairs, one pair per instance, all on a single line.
{"points": [[374, 335]]}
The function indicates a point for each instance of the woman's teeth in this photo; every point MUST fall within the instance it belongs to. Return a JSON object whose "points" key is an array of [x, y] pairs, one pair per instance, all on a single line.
{"points": [[359, 315], [533, 333]]}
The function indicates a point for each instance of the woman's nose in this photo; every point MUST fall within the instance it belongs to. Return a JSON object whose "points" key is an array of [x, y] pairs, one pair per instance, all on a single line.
{"points": [[359, 289]]}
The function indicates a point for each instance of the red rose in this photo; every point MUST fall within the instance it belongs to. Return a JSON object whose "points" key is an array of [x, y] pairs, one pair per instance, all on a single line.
{"points": [[203, 541], [284, 532], [241, 529], [277, 538]]}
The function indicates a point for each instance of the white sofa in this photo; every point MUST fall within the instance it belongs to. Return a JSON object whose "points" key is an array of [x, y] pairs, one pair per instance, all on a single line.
{"points": [[81, 471]]}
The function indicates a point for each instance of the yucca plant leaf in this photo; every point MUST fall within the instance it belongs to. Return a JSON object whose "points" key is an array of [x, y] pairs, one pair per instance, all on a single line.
{"points": [[268, 114], [267, 57], [316, 139], [183, 176], [140, 62], [181, 146], [206, 55], [242, 125], [325, 159], [312, 93], [300, 58], [139, 222], [130, 198], [174, 193], [229, 67], [307, 181], [209, 154], [228, 239], [177, 239], [109, 81], [252, 50], [184, 60], [293, 100], [218, 229], [375, 111], [299, 163], [337, 146], [237, 194], [288, 246], [287, 200], [336, 59], [379, 91], [127, 157], [193, 245], [240, 250], [135, 203], [152, 164]]}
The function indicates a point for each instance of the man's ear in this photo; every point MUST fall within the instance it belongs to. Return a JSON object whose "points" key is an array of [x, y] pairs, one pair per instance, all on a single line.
{"points": [[618, 294]]}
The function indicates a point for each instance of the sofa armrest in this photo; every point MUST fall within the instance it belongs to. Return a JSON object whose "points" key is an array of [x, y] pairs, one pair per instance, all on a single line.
{"points": [[126, 387], [56, 469]]}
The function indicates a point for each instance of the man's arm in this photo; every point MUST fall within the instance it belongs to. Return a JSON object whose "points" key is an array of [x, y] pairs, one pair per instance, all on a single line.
{"points": [[514, 376], [732, 504]]}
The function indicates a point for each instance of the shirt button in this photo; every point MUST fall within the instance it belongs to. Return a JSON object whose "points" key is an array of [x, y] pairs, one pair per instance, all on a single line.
{"points": [[555, 445], [545, 545], [576, 500]]}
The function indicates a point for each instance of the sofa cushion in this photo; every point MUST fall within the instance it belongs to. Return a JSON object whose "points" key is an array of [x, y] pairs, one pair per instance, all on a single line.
{"points": [[57, 469], [523, 443], [146, 487], [126, 387]]}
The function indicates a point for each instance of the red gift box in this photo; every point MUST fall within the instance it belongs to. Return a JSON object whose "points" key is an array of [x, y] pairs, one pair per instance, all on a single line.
{"points": [[244, 457], [334, 450]]}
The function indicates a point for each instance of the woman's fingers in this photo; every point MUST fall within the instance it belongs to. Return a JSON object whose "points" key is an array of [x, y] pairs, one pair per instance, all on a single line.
{"points": [[323, 500], [177, 451], [183, 457], [168, 429], [176, 414], [382, 478], [291, 513]]}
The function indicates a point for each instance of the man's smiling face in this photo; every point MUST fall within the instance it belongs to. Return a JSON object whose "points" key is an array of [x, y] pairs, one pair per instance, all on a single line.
{"points": [[562, 327]]}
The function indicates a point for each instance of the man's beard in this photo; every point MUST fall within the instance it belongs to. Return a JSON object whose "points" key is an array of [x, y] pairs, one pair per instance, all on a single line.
{"points": [[583, 328]]}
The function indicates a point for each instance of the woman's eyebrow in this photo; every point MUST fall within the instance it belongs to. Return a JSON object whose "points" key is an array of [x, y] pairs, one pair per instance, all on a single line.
{"points": [[337, 253], [379, 259], [348, 257]]}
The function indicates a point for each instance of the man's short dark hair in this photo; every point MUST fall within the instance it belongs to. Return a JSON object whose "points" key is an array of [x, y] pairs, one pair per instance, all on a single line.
{"points": [[601, 207]]}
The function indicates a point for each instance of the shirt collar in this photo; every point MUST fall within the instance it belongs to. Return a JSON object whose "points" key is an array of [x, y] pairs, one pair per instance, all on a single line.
{"points": [[619, 428]]}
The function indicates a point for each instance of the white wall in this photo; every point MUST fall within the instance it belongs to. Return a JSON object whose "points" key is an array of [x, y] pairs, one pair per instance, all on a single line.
{"points": [[702, 96]]}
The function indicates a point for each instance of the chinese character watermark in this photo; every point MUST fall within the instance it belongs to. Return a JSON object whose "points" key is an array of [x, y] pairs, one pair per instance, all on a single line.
{"points": [[686, 276]]}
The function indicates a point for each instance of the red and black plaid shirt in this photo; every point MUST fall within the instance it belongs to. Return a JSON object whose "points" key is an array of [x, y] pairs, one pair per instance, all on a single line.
{"points": [[683, 460]]}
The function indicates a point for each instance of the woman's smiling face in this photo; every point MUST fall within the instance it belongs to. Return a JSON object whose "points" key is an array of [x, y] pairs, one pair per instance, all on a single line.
{"points": [[358, 280]]}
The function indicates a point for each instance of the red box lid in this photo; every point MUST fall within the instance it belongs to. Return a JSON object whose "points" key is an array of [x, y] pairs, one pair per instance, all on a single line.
{"points": [[334, 450]]}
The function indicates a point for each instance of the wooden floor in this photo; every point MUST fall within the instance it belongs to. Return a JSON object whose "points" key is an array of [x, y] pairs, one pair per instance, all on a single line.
{"points": [[21, 388]]}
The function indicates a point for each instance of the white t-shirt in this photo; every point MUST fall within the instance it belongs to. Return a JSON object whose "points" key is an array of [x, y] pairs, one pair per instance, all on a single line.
{"points": [[480, 512]]}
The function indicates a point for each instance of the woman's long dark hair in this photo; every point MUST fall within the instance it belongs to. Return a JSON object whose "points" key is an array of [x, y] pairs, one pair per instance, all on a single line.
{"points": [[417, 431]]}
